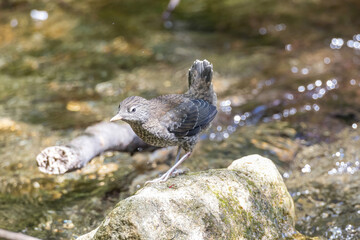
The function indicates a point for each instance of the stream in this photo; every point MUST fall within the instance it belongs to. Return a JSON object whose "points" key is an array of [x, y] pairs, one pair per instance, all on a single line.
{"points": [[287, 77]]}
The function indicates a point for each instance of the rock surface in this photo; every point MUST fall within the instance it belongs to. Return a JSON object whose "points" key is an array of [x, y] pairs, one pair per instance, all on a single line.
{"points": [[248, 200]]}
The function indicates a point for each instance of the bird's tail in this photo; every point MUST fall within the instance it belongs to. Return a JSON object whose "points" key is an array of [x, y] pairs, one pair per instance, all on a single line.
{"points": [[200, 85]]}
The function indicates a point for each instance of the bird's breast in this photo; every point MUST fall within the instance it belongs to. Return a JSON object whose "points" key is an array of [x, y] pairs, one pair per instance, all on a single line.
{"points": [[153, 136]]}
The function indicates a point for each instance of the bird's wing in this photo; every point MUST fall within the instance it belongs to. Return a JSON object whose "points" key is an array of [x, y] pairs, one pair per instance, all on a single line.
{"points": [[189, 117]]}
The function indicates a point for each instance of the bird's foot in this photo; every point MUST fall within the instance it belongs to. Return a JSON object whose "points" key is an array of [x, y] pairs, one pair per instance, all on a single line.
{"points": [[163, 178], [178, 172], [166, 176]]}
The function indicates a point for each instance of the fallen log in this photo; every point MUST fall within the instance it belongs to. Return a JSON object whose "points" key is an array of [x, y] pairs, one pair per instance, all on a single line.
{"points": [[99, 138]]}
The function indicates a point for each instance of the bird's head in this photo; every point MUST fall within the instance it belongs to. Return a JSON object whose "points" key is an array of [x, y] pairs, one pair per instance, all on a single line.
{"points": [[133, 110]]}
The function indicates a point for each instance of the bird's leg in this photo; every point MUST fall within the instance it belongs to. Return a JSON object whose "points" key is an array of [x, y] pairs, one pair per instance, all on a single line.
{"points": [[177, 171], [166, 176], [178, 154]]}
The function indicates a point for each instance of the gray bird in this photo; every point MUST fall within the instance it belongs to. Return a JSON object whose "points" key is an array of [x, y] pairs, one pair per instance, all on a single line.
{"points": [[175, 119]]}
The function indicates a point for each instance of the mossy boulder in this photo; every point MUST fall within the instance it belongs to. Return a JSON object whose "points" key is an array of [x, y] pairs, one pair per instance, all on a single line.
{"points": [[248, 200]]}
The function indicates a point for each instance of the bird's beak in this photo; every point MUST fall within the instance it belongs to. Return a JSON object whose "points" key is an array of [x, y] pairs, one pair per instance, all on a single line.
{"points": [[116, 118]]}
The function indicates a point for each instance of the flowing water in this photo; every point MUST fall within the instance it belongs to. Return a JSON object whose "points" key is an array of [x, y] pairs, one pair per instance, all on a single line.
{"points": [[287, 77]]}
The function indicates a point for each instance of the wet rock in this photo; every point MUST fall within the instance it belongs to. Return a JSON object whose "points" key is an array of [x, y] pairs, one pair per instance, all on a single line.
{"points": [[248, 200]]}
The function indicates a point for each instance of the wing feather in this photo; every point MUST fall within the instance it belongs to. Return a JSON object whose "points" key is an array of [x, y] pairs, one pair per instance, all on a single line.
{"points": [[189, 117]]}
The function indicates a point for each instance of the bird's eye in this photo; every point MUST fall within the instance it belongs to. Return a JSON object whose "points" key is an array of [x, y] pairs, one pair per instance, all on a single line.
{"points": [[132, 109]]}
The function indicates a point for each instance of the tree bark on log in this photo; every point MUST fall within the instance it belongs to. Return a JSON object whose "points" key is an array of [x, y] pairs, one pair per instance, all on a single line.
{"points": [[107, 136], [101, 137]]}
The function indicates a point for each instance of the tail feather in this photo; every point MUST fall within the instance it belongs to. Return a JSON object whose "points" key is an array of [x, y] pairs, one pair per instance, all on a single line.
{"points": [[200, 85]]}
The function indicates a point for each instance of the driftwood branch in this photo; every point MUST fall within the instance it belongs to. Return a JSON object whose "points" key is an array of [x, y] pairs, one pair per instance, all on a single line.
{"points": [[4, 234], [101, 137]]}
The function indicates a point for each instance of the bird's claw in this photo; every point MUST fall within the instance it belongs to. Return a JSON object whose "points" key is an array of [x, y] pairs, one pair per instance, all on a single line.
{"points": [[163, 178], [178, 172], [166, 176]]}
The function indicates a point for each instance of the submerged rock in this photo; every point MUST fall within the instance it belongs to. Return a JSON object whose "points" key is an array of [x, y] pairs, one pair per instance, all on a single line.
{"points": [[248, 200]]}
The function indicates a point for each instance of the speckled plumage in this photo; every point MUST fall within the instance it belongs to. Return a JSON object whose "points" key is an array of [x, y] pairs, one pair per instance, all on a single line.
{"points": [[175, 119]]}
